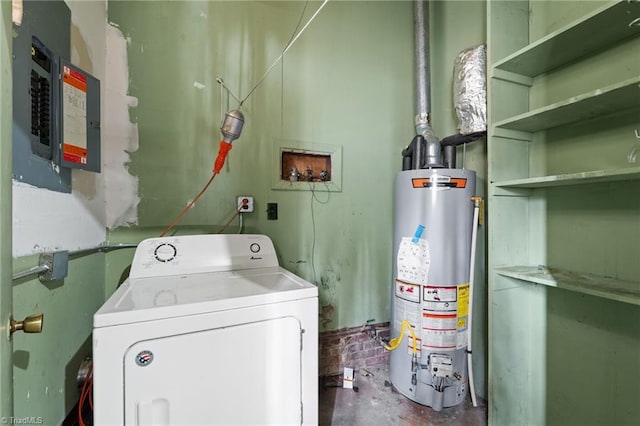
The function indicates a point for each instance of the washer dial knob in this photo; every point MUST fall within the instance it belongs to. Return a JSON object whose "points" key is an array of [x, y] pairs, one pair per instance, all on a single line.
{"points": [[254, 247], [165, 252]]}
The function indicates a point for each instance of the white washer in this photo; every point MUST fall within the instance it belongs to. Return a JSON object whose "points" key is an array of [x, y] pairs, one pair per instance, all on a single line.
{"points": [[207, 330]]}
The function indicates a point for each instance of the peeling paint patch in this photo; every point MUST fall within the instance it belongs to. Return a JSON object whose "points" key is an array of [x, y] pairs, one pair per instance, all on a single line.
{"points": [[326, 315], [327, 287], [132, 102], [329, 279], [121, 188], [49, 220], [198, 85]]}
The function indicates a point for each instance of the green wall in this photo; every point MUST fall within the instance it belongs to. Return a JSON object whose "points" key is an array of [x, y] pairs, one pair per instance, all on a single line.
{"points": [[46, 364]]}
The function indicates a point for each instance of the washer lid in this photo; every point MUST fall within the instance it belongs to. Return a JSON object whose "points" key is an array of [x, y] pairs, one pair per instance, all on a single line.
{"points": [[151, 298]]}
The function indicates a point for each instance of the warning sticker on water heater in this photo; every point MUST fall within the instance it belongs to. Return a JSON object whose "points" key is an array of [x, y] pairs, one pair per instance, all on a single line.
{"points": [[413, 260], [439, 331], [408, 310], [463, 300], [445, 312], [408, 291], [441, 299]]}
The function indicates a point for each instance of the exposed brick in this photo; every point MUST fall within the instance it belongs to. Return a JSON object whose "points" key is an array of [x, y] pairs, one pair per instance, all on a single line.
{"points": [[360, 337], [377, 360], [371, 353], [350, 347], [353, 347]]}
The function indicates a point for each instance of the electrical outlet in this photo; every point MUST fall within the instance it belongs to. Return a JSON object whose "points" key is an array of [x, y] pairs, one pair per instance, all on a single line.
{"points": [[245, 204], [272, 211]]}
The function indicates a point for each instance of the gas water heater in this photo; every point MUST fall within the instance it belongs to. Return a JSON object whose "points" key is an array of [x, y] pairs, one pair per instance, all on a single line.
{"points": [[430, 291], [435, 216]]}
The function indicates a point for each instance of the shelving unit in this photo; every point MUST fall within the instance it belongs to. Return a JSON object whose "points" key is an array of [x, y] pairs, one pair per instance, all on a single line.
{"points": [[576, 40], [584, 178], [597, 103], [562, 194], [608, 288]]}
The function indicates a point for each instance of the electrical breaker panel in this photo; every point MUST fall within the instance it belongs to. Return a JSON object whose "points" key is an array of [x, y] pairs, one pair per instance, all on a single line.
{"points": [[42, 85], [56, 106]]}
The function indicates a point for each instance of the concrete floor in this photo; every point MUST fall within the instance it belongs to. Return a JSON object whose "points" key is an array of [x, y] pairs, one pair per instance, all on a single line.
{"points": [[377, 403]]}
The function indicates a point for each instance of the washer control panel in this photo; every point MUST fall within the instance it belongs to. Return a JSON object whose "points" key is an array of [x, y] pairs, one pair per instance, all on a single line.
{"points": [[165, 252], [192, 254]]}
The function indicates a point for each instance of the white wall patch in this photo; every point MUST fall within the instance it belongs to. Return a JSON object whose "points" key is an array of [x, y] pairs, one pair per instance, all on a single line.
{"points": [[121, 188]]}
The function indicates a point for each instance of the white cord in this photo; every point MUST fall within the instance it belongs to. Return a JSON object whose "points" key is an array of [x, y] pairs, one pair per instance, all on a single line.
{"points": [[313, 225], [474, 234]]}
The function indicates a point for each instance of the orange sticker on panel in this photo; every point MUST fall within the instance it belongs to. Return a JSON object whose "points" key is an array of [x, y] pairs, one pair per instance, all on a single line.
{"points": [[440, 182]]}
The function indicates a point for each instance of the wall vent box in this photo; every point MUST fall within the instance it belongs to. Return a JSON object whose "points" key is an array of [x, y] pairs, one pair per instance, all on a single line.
{"points": [[56, 119], [306, 166]]}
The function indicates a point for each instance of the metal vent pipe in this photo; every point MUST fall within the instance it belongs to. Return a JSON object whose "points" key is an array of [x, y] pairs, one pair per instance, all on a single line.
{"points": [[423, 73], [423, 84]]}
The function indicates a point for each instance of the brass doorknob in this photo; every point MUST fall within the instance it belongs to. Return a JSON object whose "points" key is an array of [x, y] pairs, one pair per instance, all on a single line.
{"points": [[31, 324]]}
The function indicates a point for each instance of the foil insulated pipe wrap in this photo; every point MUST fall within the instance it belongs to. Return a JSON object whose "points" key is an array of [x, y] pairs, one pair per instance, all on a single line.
{"points": [[470, 89]]}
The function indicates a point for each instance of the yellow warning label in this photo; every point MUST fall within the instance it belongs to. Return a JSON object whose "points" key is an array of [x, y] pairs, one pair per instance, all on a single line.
{"points": [[462, 323], [463, 300]]}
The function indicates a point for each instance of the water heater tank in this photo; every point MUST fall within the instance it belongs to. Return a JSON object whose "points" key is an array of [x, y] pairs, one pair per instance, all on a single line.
{"points": [[430, 288]]}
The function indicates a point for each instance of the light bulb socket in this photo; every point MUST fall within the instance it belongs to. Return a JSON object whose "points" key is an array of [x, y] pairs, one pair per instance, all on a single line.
{"points": [[231, 126]]}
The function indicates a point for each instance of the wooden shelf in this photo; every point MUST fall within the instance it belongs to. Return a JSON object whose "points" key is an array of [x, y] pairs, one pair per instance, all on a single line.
{"points": [[594, 285], [598, 103], [596, 176], [570, 97], [610, 23]]}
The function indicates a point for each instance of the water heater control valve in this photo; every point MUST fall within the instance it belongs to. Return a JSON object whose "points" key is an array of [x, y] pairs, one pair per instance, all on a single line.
{"points": [[440, 365]]}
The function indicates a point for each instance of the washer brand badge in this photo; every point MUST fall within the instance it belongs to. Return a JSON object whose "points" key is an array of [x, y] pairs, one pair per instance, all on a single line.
{"points": [[144, 358]]}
